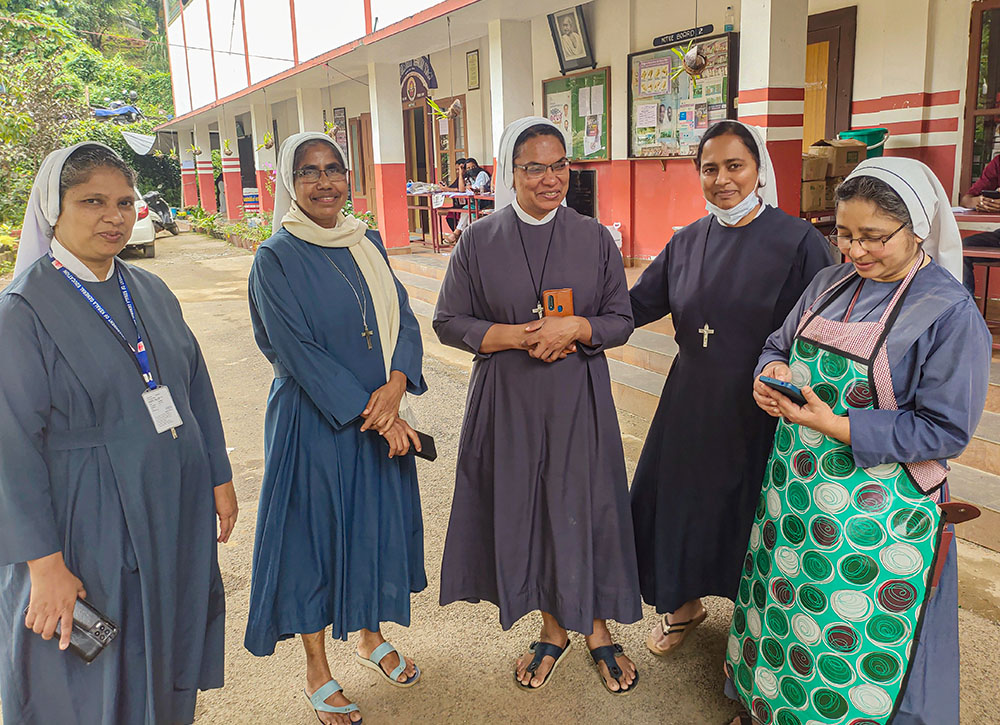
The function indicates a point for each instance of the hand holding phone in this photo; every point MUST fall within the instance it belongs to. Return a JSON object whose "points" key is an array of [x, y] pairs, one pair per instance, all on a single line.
{"points": [[789, 390]]}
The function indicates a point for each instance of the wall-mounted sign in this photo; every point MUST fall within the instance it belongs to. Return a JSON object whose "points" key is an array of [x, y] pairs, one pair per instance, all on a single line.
{"points": [[472, 70], [417, 78], [682, 35]]}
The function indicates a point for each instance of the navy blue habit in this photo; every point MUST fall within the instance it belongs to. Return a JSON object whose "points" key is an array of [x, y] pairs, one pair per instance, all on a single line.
{"points": [[339, 529]]}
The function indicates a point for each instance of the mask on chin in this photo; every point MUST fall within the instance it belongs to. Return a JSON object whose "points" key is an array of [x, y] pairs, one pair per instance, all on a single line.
{"points": [[731, 217]]}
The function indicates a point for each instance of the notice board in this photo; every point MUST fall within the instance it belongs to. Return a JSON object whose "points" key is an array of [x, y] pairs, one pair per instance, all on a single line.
{"points": [[580, 105], [668, 116]]}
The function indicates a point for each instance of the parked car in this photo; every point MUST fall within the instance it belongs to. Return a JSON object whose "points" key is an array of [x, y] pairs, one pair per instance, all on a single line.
{"points": [[143, 233]]}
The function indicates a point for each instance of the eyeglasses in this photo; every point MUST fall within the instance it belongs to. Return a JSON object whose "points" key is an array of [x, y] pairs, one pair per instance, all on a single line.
{"points": [[869, 244], [312, 174], [537, 171]]}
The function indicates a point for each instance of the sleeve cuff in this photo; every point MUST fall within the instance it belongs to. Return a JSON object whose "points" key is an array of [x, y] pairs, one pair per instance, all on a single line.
{"points": [[473, 337], [766, 359], [29, 539]]}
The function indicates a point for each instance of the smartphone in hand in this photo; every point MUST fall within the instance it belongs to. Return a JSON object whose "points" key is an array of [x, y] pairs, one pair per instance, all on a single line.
{"points": [[790, 391]]}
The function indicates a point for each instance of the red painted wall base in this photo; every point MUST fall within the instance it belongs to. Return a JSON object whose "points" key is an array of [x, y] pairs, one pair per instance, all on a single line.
{"points": [[390, 194], [264, 190]]}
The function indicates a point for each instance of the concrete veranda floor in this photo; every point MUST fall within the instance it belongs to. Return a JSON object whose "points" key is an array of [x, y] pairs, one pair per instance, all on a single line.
{"points": [[465, 657]]}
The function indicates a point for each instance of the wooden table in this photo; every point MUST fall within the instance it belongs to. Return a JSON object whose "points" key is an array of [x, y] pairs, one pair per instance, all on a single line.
{"points": [[988, 257], [476, 209]]}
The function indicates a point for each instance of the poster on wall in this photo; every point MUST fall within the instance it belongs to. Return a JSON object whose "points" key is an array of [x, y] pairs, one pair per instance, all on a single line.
{"points": [[579, 104], [340, 121], [670, 111]]}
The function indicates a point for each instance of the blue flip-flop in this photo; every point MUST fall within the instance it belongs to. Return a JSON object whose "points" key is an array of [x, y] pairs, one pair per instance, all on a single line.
{"points": [[318, 701], [607, 654], [379, 654], [541, 651]]}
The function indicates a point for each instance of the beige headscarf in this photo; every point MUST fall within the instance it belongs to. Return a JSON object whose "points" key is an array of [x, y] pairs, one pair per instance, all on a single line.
{"points": [[350, 233]]}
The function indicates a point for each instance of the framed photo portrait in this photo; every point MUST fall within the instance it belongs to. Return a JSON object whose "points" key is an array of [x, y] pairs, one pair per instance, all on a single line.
{"points": [[571, 39]]}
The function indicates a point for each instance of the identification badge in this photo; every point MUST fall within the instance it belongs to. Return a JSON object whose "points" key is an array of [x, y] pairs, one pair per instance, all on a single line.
{"points": [[161, 409]]}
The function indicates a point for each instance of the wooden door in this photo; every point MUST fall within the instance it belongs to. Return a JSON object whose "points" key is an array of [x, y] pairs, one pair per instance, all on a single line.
{"points": [[829, 74], [368, 160], [418, 167], [451, 140]]}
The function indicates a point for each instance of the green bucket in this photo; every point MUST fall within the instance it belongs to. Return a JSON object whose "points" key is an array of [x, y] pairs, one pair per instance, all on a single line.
{"points": [[873, 138]]}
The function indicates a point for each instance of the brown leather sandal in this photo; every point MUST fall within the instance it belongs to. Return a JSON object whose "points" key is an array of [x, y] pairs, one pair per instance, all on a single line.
{"points": [[664, 628]]}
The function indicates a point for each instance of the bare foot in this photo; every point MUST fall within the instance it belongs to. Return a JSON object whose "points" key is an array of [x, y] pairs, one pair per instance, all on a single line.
{"points": [[337, 699], [664, 637], [600, 638], [551, 633], [369, 641]]}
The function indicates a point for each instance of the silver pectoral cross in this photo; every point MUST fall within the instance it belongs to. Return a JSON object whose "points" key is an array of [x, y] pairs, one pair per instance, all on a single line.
{"points": [[367, 334], [539, 310], [705, 332]]}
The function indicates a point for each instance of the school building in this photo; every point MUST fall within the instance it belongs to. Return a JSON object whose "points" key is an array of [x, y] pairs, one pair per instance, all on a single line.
{"points": [[249, 73]]}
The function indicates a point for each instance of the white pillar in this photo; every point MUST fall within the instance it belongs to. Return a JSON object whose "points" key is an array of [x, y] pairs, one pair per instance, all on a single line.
{"points": [[264, 159], [773, 36], [511, 83], [232, 179], [203, 164], [309, 103], [389, 155]]}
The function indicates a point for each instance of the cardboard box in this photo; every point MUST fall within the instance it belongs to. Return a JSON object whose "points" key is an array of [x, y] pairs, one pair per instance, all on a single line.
{"points": [[843, 154], [814, 167], [813, 195], [831, 191]]}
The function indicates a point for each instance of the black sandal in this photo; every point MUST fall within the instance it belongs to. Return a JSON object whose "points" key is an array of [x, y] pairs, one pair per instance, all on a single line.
{"points": [[542, 650], [607, 654]]}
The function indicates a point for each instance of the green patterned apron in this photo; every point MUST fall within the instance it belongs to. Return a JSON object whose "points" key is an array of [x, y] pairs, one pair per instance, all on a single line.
{"points": [[840, 558]]}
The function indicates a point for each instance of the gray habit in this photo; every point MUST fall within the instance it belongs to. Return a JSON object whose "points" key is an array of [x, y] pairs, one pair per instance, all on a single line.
{"points": [[540, 518], [82, 470]]}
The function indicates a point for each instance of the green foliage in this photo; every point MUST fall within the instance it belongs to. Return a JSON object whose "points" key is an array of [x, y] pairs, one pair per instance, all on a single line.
{"points": [[216, 163], [255, 228], [154, 172], [367, 217]]}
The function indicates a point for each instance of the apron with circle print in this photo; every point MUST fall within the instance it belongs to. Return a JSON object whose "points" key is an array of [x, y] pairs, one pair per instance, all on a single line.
{"points": [[840, 557]]}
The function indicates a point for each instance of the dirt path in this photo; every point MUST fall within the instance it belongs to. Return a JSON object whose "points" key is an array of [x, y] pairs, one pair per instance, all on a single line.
{"points": [[465, 656]]}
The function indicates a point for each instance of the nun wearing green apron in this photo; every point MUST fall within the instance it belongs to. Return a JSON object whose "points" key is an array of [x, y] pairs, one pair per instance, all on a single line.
{"points": [[847, 609]]}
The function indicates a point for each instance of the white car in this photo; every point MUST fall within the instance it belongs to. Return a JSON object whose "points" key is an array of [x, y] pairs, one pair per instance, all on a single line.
{"points": [[143, 233]]}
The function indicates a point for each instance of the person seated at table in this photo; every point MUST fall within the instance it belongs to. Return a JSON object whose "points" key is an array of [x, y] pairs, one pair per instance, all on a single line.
{"points": [[987, 183], [477, 180], [452, 217]]}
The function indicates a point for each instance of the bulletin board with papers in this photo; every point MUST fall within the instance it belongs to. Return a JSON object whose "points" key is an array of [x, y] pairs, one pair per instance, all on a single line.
{"points": [[579, 104], [668, 116]]}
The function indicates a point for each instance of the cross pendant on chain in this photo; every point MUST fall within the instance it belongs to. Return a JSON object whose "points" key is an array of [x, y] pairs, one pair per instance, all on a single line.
{"points": [[705, 332], [539, 310], [367, 334]]}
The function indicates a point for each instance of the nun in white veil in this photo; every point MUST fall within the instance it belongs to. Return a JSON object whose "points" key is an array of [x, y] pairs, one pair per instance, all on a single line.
{"points": [[930, 377], [727, 280], [98, 499], [339, 540], [540, 516]]}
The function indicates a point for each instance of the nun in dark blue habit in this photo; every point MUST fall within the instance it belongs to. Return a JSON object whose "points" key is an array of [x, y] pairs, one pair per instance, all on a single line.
{"points": [[339, 530], [99, 498]]}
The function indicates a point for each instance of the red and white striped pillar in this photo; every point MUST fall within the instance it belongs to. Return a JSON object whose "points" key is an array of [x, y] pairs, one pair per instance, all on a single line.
{"points": [[773, 36], [264, 159], [390, 165], [232, 179], [189, 177], [203, 165]]}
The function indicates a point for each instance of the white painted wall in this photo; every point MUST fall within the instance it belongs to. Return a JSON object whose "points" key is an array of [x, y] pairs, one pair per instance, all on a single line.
{"points": [[388, 12], [178, 68], [199, 55], [452, 76], [227, 42], [321, 26], [269, 38]]}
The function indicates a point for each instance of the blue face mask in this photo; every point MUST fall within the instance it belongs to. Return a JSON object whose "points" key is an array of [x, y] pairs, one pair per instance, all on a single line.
{"points": [[731, 217]]}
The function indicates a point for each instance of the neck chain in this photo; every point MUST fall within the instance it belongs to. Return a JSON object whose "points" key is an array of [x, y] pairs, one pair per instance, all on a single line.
{"points": [[539, 309], [361, 298]]}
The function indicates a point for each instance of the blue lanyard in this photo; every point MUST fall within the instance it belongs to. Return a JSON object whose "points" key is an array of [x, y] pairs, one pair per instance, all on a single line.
{"points": [[141, 356]]}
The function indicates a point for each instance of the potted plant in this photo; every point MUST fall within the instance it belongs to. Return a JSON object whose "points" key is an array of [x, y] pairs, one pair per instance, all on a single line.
{"points": [[267, 142], [226, 149], [194, 150]]}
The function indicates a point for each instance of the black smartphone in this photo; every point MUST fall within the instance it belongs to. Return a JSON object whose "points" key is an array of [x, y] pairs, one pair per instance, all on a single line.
{"points": [[427, 449], [991, 194], [787, 389], [92, 631]]}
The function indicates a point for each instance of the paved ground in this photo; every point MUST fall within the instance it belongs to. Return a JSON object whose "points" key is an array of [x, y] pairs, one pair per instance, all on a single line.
{"points": [[465, 656]]}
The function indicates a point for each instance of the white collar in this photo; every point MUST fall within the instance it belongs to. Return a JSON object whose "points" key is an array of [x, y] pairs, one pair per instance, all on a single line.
{"points": [[528, 219], [71, 262]]}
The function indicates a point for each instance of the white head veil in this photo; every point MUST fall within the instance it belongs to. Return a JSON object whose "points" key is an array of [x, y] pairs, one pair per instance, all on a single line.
{"points": [[505, 158], [43, 207], [284, 191], [927, 202]]}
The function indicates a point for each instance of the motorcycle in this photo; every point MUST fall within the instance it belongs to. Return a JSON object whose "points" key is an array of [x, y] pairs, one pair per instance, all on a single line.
{"points": [[159, 210]]}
